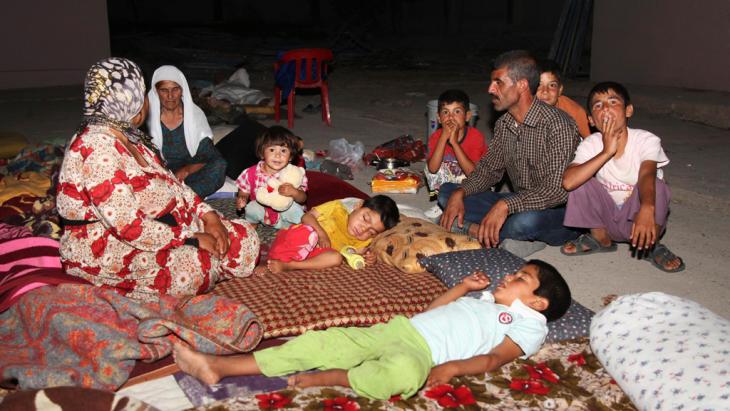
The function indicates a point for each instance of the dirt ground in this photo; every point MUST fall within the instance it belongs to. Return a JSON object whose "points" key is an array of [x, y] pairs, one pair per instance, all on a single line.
{"points": [[374, 100]]}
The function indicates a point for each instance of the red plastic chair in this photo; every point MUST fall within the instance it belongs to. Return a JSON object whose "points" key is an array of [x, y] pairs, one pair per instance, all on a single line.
{"points": [[305, 60]]}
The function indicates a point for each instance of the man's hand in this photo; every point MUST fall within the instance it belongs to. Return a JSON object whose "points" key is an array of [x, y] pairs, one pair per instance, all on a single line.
{"points": [[454, 210], [369, 256], [213, 226], [287, 190], [492, 223], [643, 231], [476, 281], [208, 243], [441, 374]]}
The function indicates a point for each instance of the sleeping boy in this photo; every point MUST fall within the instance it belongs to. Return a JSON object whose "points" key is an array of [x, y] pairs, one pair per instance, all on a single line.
{"points": [[455, 336], [327, 229]]}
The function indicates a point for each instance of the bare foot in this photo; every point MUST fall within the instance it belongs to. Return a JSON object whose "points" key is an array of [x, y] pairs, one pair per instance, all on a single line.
{"points": [[587, 243], [319, 379], [261, 270], [276, 266], [197, 364]]}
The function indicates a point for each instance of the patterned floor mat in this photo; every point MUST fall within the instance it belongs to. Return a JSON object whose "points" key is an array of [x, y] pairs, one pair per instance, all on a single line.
{"points": [[561, 376]]}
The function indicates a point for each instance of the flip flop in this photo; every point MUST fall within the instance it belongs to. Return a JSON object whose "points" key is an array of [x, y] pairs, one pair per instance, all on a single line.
{"points": [[664, 255], [587, 244]]}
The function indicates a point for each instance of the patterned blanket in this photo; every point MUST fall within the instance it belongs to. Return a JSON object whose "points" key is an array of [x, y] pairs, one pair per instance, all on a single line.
{"points": [[22, 206], [87, 336], [561, 376]]}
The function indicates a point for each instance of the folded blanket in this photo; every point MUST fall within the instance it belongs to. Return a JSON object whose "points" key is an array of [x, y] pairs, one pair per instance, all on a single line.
{"points": [[27, 263], [81, 335]]}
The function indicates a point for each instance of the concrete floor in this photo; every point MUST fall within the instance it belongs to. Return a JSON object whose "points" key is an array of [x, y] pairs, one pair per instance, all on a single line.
{"points": [[376, 105]]}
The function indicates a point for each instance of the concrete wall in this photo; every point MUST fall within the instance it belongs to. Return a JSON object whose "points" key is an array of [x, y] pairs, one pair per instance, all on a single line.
{"points": [[51, 42], [413, 16], [674, 43]]}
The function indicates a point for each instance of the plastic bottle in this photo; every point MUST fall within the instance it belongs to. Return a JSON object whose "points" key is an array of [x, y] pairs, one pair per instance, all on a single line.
{"points": [[354, 260]]}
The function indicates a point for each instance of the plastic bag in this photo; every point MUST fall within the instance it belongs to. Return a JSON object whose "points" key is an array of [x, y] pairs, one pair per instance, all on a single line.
{"points": [[343, 152], [404, 148]]}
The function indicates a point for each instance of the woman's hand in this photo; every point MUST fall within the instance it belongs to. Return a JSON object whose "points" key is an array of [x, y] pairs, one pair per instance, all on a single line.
{"points": [[182, 174], [213, 226], [208, 243]]}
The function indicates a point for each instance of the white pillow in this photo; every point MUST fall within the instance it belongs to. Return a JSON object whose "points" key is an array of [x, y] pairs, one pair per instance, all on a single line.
{"points": [[665, 352]]}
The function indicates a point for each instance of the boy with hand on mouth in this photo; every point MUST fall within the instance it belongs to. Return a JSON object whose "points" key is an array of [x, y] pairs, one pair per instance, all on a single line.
{"points": [[616, 186]]}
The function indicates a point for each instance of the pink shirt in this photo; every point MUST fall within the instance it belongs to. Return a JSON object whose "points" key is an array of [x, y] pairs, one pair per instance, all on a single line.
{"points": [[261, 179]]}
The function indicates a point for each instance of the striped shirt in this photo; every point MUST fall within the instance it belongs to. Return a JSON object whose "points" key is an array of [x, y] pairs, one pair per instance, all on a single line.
{"points": [[534, 154]]}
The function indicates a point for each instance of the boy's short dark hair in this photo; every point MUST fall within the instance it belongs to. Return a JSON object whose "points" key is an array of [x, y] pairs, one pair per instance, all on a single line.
{"points": [[276, 136], [603, 87], [386, 208], [554, 288], [550, 66], [454, 96], [520, 65]]}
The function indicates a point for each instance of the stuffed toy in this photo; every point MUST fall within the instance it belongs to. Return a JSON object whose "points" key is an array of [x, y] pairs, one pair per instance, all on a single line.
{"points": [[269, 194]]}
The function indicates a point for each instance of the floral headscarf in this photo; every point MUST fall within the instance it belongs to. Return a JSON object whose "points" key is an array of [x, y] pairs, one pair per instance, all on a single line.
{"points": [[114, 93]]}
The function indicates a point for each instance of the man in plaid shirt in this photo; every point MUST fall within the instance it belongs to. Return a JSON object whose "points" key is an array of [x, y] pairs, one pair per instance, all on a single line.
{"points": [[534, 143]]}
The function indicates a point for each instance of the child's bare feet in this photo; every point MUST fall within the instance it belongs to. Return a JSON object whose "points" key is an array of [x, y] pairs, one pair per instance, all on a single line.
{"points": [[261, 269], [199, 365], [319, 379], [276, 266]]}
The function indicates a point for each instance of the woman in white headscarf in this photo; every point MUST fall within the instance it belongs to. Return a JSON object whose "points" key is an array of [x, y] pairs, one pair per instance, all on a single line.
{"points": [[181, 132]]}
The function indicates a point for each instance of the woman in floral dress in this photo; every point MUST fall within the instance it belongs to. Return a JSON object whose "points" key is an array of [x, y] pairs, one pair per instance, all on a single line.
{"points": [[129, 223]]}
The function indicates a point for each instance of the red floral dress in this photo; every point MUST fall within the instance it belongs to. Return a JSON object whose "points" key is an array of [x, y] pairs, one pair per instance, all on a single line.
{"points": [[127, 225]]}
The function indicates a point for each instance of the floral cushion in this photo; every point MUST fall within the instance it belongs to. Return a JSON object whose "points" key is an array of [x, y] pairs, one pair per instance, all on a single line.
{"points": [[496, 263], [666, 352], [413, 238]]}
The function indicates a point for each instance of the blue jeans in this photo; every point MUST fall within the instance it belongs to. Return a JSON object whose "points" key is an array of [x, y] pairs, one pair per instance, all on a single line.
{"points": [[536, 225], [255, 212]]}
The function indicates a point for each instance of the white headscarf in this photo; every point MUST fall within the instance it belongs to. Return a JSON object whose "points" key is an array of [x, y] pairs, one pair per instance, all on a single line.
{"points": [[194, 120]]}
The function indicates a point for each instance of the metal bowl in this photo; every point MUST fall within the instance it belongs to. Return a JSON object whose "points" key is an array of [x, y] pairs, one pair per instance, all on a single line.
{"points": [[391, 163]]}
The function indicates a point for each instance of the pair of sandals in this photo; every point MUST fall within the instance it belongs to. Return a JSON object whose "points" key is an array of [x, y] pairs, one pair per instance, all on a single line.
{"points": [[659, 256]]}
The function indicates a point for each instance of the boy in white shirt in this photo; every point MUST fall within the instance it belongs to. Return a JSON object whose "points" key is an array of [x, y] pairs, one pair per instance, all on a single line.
{"points": [[455, 336], [615, 184]]}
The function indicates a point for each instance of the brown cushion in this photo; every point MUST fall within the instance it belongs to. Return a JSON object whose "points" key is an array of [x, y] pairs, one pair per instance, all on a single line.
{"points": [[292, 303], [414, 238]]}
